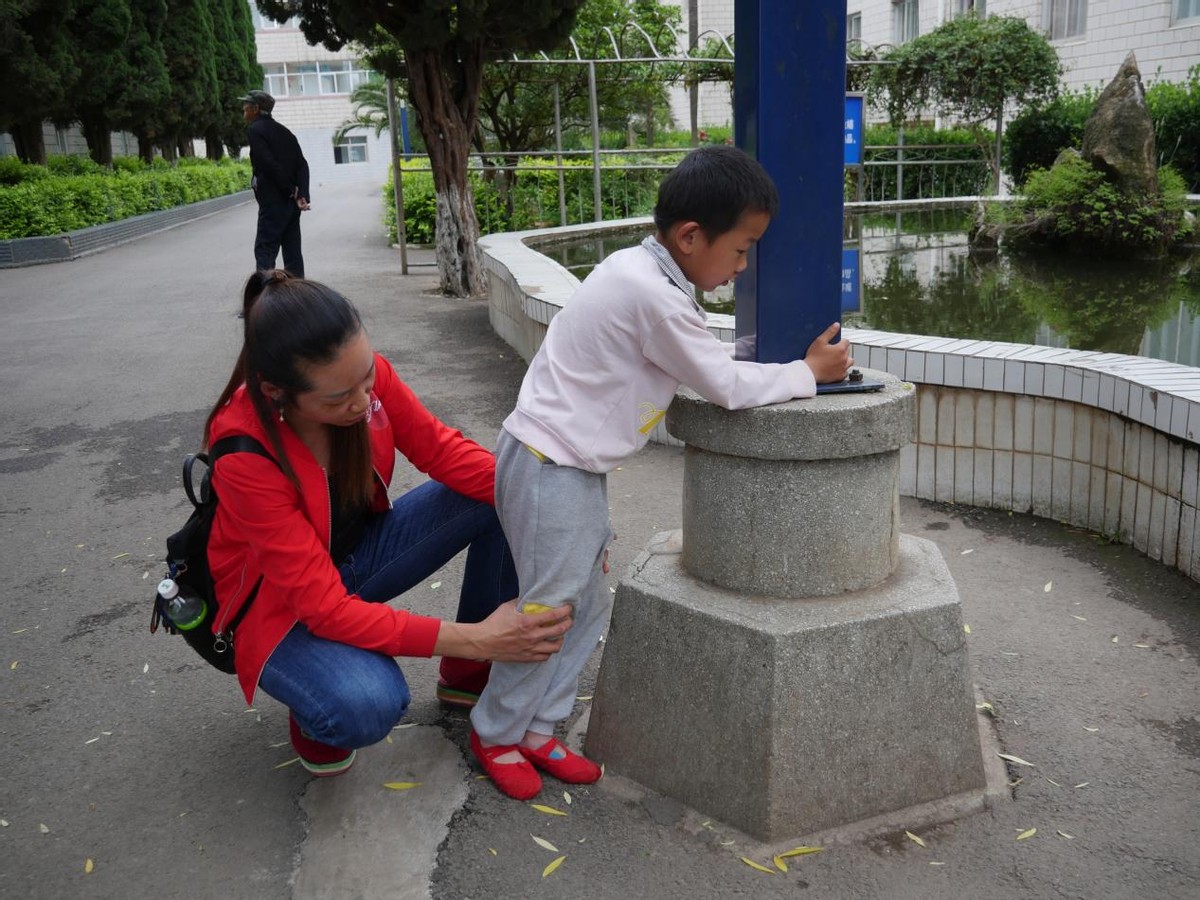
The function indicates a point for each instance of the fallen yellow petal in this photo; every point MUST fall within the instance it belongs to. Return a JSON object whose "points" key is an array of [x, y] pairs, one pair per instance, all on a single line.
{"points": [[1088, 728], [1080, 618], [916, 840], [389, 739], [780, 864], [15, 663], [583, 698], [88, 865], [1028, 833], [402, 785], [492, 850], [1016, 759], [120, 556], [1142, 646], [435, 585], [1069, 837], [967, 629], [965, 552], [553, 865], [1052, 781], [937, 863], [1115, 639], [1083, 784], [282, 765], [800, 851], [566, 798], [1049, 586], [752, 864], [544, 844], [548, 810]]}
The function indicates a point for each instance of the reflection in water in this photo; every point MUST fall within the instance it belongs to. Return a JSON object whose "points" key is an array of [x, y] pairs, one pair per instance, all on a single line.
{"points": [[919, 278]]}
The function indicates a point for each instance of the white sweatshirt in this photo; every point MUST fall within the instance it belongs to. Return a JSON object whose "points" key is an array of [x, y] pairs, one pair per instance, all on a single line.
{"points": [[617, 352]]}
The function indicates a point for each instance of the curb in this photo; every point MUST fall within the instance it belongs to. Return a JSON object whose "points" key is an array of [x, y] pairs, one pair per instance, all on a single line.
{"points": [[34, 251]]}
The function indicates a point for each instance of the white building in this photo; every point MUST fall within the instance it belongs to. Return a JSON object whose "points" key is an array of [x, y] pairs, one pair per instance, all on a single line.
{"points": [[1091, 36], [311, 87]]}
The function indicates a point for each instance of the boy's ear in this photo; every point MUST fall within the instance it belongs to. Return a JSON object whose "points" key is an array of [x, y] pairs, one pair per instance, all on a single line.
{"points": [[684, 237]]}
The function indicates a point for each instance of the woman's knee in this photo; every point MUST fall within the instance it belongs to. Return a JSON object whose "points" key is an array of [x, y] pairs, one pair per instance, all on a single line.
{"points": [[365, 713]]}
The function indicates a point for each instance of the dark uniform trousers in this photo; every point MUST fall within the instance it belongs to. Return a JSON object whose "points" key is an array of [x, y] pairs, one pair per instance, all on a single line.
{"points": [[279, 228]]}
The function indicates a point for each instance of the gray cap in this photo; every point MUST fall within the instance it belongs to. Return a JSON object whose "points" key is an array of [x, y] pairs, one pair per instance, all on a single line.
{"points": [[261, 99]]}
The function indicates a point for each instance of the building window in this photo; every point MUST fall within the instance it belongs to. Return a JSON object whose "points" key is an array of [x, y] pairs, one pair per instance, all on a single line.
{"points": [[262, 23], [1065, 18], [1187, 9], [854, 29], [959, 8], [352, 149], [907, 22], [312, 79]]}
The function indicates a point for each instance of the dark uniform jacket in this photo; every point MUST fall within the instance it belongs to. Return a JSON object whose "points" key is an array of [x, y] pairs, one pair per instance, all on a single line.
{"points": [[280, 169]]}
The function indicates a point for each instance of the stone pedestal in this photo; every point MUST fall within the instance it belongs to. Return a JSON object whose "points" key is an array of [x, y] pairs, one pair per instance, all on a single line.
{"points": [[799, 665]]}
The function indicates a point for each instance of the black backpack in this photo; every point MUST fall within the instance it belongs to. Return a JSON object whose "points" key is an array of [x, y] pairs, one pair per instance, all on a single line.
{"points": [[187, 557]]}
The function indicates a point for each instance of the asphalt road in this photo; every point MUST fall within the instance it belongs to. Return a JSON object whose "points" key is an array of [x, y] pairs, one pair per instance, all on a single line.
{"points": [[124, 749]]}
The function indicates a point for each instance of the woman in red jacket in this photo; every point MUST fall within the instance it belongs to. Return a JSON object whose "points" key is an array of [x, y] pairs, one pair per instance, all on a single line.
{"points": [[315, 546]]}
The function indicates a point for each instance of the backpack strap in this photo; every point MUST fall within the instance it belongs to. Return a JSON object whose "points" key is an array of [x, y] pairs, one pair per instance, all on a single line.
{"points": [[234, 443]]}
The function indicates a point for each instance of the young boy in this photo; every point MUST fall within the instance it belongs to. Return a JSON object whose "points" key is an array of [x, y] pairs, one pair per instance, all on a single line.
{"points": [[609, 366]]}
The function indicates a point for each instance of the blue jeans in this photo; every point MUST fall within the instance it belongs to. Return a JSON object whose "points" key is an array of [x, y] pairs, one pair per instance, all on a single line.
{"points": [[350, 697]]}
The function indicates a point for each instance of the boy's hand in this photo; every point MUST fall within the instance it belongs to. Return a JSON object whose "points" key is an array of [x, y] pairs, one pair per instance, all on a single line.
{"points": [[829, 361]]}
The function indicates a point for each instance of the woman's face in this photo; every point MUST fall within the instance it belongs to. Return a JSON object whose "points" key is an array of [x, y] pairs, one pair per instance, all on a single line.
{"points": [[341, 388]]}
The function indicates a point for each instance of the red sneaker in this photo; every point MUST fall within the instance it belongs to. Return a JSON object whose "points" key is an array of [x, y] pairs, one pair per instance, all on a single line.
{"points": [[554, 757], [518, 780], [322, 760], [461, 681]]}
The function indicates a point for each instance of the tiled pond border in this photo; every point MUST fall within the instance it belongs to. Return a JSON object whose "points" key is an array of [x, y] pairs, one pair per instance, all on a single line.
{"points": [[1102, 441]]}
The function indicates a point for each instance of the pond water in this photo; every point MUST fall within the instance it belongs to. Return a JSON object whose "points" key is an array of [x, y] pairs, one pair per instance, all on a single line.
{"points": [[919, 278]]}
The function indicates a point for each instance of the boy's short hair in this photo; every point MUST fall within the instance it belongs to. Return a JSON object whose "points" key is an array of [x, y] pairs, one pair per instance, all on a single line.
{"points": [[714, 186]]}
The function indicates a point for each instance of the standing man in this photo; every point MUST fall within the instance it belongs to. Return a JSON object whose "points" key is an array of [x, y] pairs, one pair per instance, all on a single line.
{"points": [[280, 184]]}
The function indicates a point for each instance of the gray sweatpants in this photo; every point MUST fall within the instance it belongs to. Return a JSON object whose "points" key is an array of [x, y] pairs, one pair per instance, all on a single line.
{"points": [[557, 524]]}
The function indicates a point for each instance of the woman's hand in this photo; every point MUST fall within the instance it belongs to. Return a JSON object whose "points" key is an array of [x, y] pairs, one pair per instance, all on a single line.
{"points": [[507, 635]]}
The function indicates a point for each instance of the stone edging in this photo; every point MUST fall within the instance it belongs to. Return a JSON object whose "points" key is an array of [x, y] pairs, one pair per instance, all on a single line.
{"points": [[83, 241], [1103, 441]]}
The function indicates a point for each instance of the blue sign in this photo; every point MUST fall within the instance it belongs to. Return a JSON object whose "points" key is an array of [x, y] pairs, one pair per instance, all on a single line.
{"points": [[852, 130], [851, 280]]}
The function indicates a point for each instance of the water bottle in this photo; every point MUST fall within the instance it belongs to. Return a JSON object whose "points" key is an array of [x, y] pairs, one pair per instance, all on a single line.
{"points": [[185, 611]]}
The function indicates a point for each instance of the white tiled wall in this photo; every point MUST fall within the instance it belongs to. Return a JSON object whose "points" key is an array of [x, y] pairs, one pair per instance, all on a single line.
{"points": [[1099, 440]]}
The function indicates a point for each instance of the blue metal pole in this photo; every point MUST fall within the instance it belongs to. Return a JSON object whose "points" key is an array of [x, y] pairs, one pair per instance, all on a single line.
{"points": [[788, 99]]}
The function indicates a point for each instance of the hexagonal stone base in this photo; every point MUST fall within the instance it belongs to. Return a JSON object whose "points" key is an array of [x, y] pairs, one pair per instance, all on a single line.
{"points": [[786, 717]]}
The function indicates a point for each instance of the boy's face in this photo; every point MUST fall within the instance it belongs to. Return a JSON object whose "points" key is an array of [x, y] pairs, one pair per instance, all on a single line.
{"points": [[708, 264]]}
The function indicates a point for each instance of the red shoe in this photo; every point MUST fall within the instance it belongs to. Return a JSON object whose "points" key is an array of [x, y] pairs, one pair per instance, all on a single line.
{"points": [[554, 757], [322, 760], [518, 780], [461, 681]]}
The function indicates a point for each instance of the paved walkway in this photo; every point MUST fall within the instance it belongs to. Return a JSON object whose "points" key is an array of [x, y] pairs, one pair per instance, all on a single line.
{"points": [[122, 750]]}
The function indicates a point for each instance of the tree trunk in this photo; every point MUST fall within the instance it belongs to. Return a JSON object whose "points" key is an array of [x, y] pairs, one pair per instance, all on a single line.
{"points": [[29, 140], [213, 148], [999, 148], [145, 148], [444, 87], [98, 134], [170, 151]]}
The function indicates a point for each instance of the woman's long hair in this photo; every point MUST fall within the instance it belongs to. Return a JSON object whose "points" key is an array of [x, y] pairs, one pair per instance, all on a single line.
{"points": [[289, 325]]}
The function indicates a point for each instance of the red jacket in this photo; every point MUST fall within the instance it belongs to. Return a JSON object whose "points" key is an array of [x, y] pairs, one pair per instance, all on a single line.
{"points": [[266, 527]]}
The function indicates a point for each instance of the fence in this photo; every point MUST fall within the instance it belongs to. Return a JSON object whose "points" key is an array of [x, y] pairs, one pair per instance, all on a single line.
{"points": [[516, 191]]}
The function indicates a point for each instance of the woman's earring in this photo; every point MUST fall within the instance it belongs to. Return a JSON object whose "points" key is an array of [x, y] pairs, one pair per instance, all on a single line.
{"points": [[279, 407]]}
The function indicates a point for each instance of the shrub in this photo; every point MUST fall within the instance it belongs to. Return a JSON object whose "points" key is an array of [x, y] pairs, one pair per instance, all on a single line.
{"points": [[1175, 109], [924, 178], [532, 200], [51, 202], [1034, 138], [1073, 206]]}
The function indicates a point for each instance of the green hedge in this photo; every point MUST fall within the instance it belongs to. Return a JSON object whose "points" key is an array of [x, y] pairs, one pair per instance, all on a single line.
{"points": [[532, 201], [923, 176], [73, 192]]}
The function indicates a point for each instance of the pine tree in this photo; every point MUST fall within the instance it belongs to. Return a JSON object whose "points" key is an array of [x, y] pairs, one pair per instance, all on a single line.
{"points": [[144, 99], [100, 32], [36, 69], [190, 50]]}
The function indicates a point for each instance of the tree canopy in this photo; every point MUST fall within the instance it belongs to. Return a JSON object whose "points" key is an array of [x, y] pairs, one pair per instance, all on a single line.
{"points": [[969, 67], [440, 47]]}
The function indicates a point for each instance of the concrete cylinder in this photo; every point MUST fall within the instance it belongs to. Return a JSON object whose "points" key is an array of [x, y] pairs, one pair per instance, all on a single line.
{"points": [[797, 499]]}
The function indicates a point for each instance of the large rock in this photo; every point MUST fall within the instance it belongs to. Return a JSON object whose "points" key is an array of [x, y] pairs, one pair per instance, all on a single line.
{"points": [[1119, 137]]}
